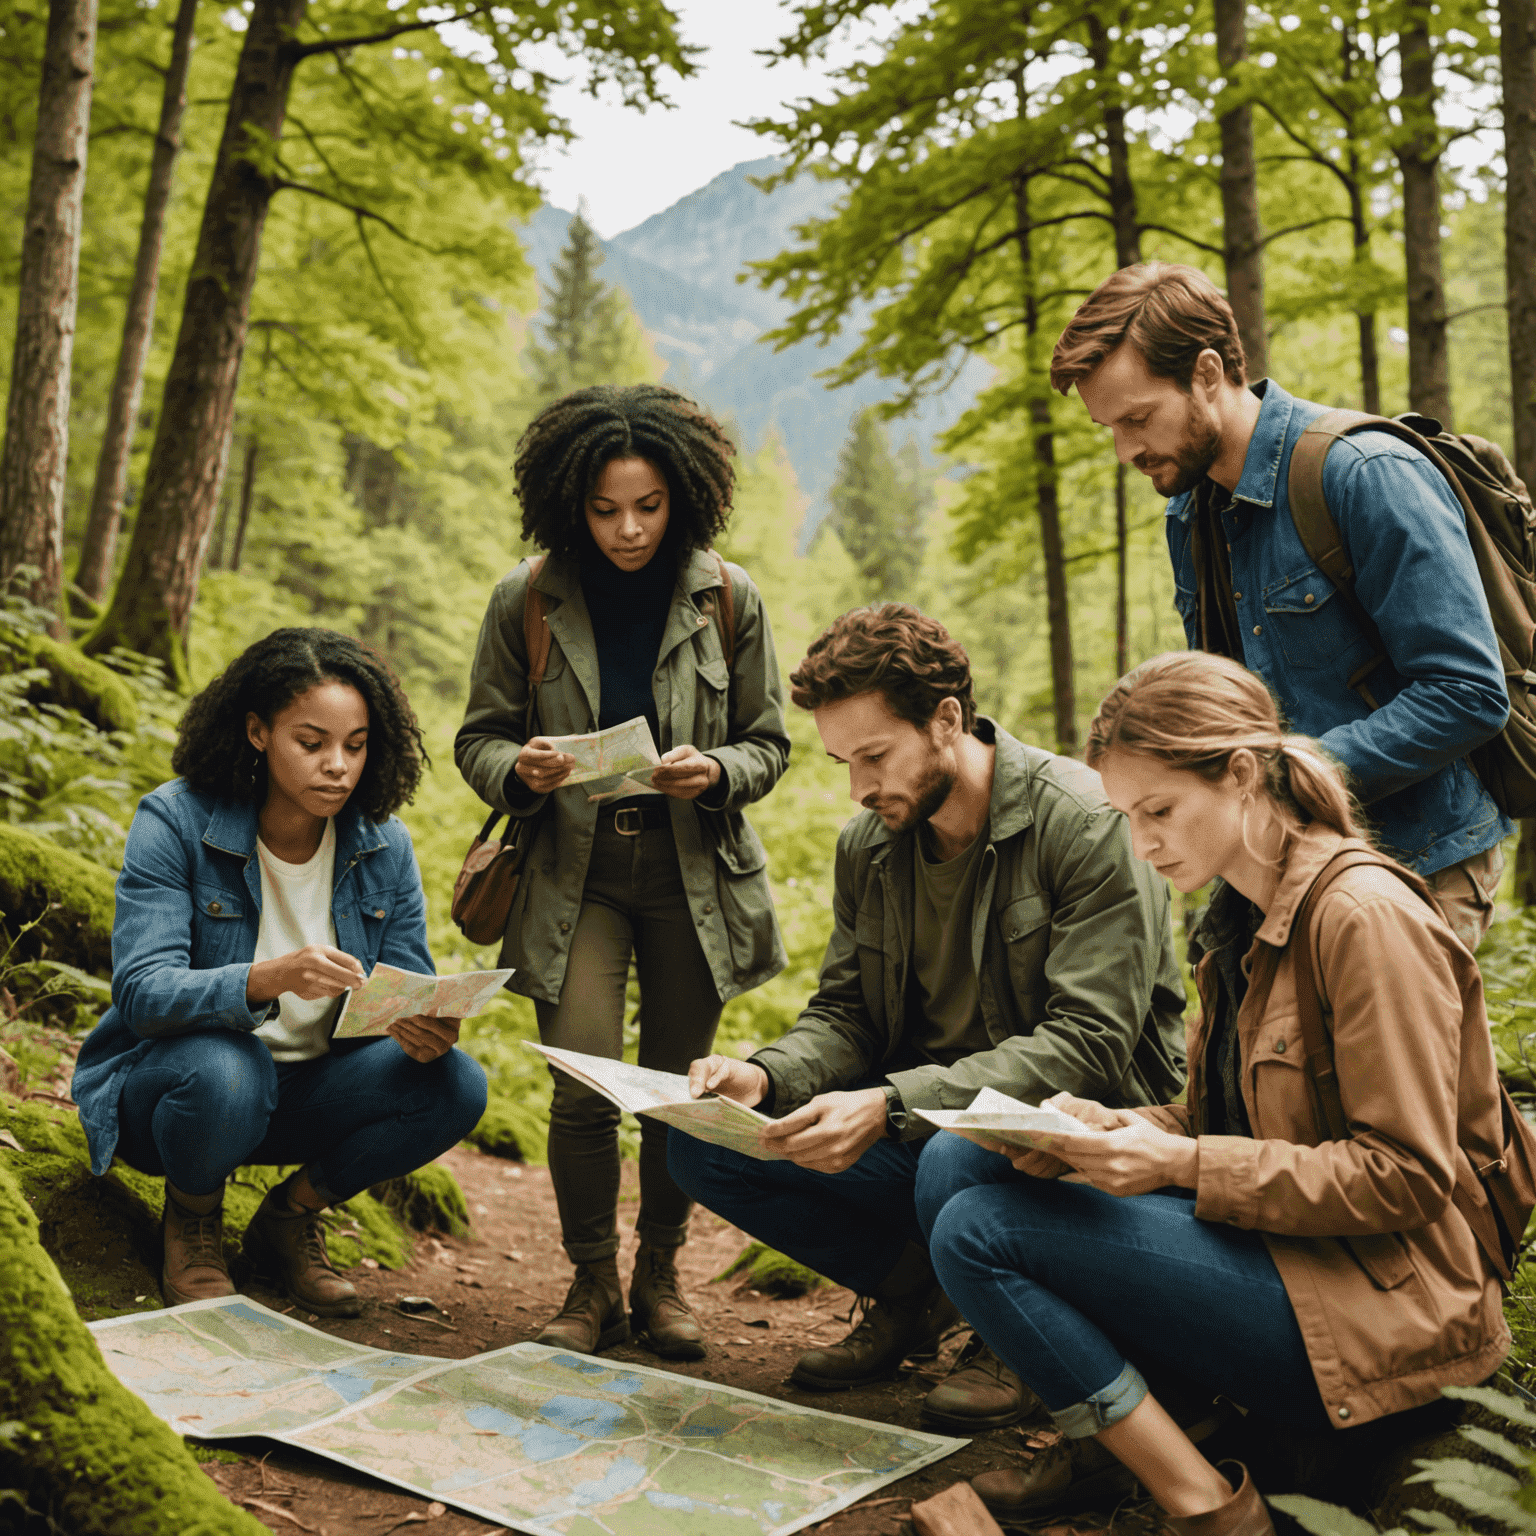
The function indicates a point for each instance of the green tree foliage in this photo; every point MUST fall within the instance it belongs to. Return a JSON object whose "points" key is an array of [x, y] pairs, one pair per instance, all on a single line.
{"points": [[878, 510]]}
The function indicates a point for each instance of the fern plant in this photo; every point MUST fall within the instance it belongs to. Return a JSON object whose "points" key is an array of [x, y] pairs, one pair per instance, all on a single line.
{"points": [[1509, 1498]]}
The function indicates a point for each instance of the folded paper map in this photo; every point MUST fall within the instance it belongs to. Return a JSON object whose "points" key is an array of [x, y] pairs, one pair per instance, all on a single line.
{"points": [[994, 1117], [391, 994], [664, 1096], [532, 1439], [622, 757]]}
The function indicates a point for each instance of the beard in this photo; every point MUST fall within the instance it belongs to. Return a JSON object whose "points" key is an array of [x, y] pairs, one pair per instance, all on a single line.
{"points": [[1189, 463], [929, 793]]}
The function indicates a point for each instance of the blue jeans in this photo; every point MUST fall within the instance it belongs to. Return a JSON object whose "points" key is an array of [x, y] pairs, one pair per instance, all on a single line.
{"points": [[851, 1227], [1064, 1282], [197, 1106]]}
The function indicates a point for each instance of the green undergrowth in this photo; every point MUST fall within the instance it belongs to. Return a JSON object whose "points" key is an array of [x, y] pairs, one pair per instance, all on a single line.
{"points": [[765, 1269], [511, 1130], [104, 1233]]}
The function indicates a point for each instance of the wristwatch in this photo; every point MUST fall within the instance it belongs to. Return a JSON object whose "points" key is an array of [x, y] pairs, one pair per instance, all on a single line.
{"points": [[896, 1119]]}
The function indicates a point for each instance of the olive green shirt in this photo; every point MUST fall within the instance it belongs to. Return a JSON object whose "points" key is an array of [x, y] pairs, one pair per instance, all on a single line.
{"points": [[948, 993]]}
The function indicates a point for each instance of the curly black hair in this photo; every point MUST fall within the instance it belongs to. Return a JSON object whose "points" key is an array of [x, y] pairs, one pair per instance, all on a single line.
{"points": [[213, 753], [568, 444]]}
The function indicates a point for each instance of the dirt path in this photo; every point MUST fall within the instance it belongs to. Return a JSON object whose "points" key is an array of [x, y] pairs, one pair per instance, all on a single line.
{"points": [[499, 1286]]}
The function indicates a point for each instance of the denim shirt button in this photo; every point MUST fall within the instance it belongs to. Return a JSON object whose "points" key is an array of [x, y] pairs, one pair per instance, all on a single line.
{"points": [[1258, 629], [215, 908], [378, 911], [1309, 598], [1237, 597]]}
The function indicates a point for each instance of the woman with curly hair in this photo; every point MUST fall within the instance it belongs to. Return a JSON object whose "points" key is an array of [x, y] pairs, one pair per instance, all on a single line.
{"points": [[626, 488], [256, 888]]}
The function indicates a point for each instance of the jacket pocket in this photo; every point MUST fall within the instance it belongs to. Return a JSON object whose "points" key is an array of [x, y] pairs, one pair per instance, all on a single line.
{"points": [[745, 901], [1024, 926], [1384, 1257], [712, 689], [1312, 624], [1281, 1089]]}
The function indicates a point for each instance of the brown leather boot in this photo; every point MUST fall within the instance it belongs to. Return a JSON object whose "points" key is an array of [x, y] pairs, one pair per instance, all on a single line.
{"points": [[907, 1316], [980, 1393], [194, 1248], [1243, 1514], [288, 1246], [659, 1314], [593, 1315]]}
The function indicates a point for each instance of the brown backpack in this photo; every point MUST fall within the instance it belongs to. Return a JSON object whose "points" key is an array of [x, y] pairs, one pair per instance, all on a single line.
{"points": [[487, 882], [1506, 1172], [1501, 527]]}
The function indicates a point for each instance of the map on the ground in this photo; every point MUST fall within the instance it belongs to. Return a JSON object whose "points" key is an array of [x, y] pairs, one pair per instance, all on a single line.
{"points": [[390, 994], [540, 1440], [664, 1096], [994, 1117], [622, 757]]}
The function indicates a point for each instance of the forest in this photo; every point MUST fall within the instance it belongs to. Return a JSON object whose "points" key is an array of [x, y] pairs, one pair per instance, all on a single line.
{"points": [[276, 336]]}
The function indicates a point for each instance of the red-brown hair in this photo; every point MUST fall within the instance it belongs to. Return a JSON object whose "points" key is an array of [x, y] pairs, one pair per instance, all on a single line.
{"points": [[1170, 314], [892, 649]]}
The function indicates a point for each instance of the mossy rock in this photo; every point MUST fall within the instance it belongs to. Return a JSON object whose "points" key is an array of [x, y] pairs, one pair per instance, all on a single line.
{"points": [[78, 1446], [511, 1130], [104, 1234], [78, 682], [765, 1269], [36, 875], [429, 1200]]}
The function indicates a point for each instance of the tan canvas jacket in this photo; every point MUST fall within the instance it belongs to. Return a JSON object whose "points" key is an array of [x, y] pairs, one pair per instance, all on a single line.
{"points": [[1393, 1295]]}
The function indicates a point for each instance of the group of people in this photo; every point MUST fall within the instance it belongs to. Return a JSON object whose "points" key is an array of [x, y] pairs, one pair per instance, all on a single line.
{"points": [[1001, 919]]}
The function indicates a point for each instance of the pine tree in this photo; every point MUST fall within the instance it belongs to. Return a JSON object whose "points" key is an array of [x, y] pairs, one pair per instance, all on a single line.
{"points": [[877, 509]]}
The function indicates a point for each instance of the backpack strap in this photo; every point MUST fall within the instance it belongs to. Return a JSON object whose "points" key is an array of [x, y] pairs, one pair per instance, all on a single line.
{"points": [[726, 612], [536, 640]]}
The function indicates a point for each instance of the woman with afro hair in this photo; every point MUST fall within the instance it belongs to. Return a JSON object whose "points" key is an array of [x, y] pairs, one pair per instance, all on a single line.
{"points": [[625, 488], [256, 888]]}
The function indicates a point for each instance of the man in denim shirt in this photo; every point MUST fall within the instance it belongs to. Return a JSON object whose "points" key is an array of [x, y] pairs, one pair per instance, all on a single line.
{"points": [[1155, 356]]}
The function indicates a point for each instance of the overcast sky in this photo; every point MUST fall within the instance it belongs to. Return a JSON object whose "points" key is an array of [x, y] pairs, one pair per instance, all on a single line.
{"points": [[629, 165]]}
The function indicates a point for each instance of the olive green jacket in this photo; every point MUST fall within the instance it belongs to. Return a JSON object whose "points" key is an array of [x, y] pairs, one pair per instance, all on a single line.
{"points": [[734, 715], [1077, 980]]}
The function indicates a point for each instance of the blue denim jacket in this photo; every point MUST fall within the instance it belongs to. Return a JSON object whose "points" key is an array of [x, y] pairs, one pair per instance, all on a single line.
{"points": [[184, 931], [1442, 687]]}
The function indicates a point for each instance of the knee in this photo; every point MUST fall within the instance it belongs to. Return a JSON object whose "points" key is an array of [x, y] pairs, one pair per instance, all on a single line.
{"points": [[461, 1092], [697, 1168], [578, 1110], [229, 1076], [950, 1165], [960, 1232]]}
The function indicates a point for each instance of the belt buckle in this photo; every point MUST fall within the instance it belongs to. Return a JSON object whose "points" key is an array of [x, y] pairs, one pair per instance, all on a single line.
{"points": [[622, 827]]}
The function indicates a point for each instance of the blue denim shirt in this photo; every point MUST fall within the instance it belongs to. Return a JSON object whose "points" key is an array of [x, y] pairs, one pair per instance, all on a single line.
{"points": [[184, 931], [1442, 687]]}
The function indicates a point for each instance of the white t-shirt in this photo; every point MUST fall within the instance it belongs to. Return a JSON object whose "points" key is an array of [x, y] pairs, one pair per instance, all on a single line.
{"points": [[295, 911]]}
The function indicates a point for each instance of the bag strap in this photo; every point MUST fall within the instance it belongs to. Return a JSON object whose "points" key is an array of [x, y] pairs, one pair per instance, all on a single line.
{"points": [[536, 640], [726, 611], [1319, 530]]}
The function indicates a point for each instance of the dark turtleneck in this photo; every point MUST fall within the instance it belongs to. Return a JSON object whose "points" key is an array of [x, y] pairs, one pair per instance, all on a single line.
{"points": [[629, 616]]}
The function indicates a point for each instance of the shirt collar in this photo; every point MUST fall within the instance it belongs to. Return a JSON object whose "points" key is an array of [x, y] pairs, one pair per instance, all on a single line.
{"points": [[1261, 466], [232, 829]]}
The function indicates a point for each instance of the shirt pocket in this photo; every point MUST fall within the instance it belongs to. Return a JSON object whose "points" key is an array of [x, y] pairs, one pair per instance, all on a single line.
{"points": [[1025, 928], [1312, 625], [1282, 1104], [218, 926]]}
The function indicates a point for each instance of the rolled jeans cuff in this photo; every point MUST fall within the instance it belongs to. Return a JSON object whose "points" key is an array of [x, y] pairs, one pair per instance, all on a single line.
{"points": [[1102, 1408], [655, 1235]]}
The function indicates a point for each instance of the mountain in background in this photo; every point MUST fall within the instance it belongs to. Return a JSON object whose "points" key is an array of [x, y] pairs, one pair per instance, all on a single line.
{"points": [[679, 269]]}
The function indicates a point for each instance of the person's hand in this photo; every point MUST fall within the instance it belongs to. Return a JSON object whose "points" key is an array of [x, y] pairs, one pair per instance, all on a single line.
{"points": [[316, 971], [731, 1079], [1132, 1157], [685, 773], [542, 766], [830, 1133], [1038, 1165], [423, 1037]]}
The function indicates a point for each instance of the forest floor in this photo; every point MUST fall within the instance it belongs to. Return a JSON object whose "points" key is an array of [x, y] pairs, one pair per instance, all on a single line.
{"points": [[500, 1284]]}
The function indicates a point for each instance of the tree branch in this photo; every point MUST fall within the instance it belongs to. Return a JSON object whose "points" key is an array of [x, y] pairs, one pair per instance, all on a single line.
{"points": [[1474, 309], [360, 213], [1294, 229], [364, 40], [1178, 234]]}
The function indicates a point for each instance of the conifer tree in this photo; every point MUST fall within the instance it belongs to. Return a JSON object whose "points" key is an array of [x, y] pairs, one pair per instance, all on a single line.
{"points": [[877, 509]]}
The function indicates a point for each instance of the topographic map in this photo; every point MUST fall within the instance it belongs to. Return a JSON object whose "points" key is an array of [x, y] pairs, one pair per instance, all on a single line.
{"points": [[546, 1442], [617, 761], [390, 994]]}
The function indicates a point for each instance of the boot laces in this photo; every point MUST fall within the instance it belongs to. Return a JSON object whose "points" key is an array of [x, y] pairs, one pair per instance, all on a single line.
{"points": [[975, 1356], [201, 1235], [663, 1282], [866, 1307], [312, 1244]]}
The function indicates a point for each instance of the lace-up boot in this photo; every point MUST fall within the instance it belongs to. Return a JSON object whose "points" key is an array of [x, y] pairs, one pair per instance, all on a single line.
{"points": [[659, 1313], [905, 1318], [980, 1393], [192, 1230], [1243, 1514], [593, 1315], [288, 1246]]}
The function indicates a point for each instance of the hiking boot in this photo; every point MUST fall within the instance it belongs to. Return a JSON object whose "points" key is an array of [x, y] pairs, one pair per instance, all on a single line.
{"points": [[194, 1250], [1243, 1514], [659, 1314], [288, 1246], [980, 1393], [906, 1317], [1070, 1475], [593, 1315]]}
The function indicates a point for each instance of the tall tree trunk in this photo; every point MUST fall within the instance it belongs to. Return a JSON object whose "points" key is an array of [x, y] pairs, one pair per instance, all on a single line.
{"points": [[1517, 57], [152, 606], [36, 451], [1418, 157], [1047, 490], [98, 548], [1243, 237], [247, 493], [1370, 361], [1122, 572]]}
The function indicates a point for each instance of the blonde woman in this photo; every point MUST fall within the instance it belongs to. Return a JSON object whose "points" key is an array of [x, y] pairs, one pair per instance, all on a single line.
{"points": [[1313, 1279]]}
